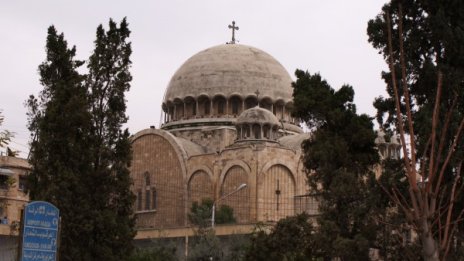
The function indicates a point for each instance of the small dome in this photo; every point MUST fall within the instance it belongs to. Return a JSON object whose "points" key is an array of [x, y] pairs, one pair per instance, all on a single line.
{"points": [[257, 115], [380, 137], [395, 140]]}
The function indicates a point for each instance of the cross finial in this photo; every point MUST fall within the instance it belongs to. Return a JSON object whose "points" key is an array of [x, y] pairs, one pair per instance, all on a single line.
{"points": [[257, 96], [233, 27]]}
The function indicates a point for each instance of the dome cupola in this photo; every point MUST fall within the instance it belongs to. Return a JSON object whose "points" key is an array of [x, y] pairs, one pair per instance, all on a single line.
{"points": [[257, 124]]}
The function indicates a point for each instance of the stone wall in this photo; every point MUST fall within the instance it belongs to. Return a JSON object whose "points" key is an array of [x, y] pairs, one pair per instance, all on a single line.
{"points": [[158, 180], [210, 138], [273, 174]]}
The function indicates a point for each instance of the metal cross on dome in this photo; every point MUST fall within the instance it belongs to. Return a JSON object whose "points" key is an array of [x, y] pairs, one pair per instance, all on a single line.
{"points": [[233, 27]]}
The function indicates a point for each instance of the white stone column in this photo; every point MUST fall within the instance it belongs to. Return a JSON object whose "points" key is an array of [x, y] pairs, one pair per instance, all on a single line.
{"points": [[175, 112], [184, 115], [283, 113], [210, 107]]}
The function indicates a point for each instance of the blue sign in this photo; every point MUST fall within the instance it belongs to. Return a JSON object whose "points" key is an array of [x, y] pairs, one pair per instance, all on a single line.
{"points": [[40, 234]]}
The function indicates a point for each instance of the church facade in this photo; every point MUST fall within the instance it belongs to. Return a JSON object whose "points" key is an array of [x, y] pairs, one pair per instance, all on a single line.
{"points": [[227, 125]]}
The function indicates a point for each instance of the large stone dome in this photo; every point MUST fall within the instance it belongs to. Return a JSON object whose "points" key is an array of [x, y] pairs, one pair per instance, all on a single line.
{"points": [[216, 85], [230, 70]]}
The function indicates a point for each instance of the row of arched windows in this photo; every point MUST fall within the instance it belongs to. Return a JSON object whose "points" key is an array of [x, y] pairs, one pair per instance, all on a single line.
{"points": [[203, 106], [257, 131]]}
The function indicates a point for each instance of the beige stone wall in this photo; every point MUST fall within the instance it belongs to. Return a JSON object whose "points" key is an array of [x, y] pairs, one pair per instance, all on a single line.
{"points": [[276, 192], [154, 156], [213, 139], [13, 198], [239, 201], [200, 187], [264, 166]]}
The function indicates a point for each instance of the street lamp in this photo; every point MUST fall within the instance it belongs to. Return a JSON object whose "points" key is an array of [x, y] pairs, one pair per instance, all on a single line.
{"points": [[242, 186]]}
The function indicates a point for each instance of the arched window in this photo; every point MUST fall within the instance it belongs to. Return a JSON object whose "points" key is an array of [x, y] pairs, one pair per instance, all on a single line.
{"points": [[147, 199], [154, 199], [206, 107], [235, 103], [266, 131], [246, 131], [147, 179], [251, 102], [150, 195], [256, 131], [221, 106], [139, 200]]}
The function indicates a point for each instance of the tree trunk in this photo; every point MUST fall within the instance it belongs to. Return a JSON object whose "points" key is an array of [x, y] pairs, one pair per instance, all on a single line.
{"points": [[429, 245]]}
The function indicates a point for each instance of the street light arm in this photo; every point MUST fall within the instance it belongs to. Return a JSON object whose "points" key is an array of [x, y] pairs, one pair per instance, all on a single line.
{"points": [[242, 186]]}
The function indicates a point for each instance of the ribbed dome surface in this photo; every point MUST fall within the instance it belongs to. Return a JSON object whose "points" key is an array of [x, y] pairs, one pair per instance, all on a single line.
{"points": [[230, 69], [257, 115]]}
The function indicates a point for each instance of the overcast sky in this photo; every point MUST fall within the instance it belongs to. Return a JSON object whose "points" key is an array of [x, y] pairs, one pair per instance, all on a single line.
{"points": [[328, 37]]}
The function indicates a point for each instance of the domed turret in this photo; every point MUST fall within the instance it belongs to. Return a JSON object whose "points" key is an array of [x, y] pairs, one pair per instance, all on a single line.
{"points": [[257, 124], [380, 139], [257, 115], [388, 150]]}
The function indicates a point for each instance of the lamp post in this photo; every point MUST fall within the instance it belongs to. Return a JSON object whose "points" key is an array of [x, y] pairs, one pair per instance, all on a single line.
{"points": [[242, 186]]}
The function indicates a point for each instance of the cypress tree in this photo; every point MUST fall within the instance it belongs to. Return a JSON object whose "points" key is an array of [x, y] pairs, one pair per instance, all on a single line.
{"points": [[108, 80], [59, 121], [79, 153]]}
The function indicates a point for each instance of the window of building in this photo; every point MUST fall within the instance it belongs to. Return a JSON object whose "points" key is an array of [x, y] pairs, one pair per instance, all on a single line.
{"points": [[257, 131], [206, 106], [266, 132], [22, 185], [246, 131], [154, 199], [194, 109], [235, 106], [221, 107], [147, 179], [139, 200], [147, 199], [3, 182]]}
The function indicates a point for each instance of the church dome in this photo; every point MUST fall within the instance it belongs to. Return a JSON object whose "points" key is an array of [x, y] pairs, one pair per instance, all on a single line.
{"points": [[257, 115], [216, 85], [230, 70]]}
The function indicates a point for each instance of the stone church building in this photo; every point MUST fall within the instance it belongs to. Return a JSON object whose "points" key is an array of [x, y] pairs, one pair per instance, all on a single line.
{"points": [[226, 123]]}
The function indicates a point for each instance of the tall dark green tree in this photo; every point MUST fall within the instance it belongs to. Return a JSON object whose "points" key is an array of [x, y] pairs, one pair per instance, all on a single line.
{"points": [[339, 158], [422, 42], [79, 153], [107, 82], [59, 121]]}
